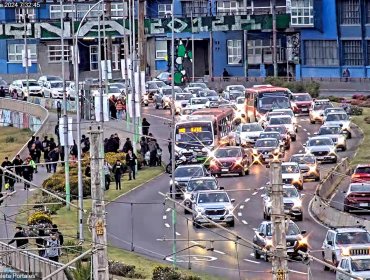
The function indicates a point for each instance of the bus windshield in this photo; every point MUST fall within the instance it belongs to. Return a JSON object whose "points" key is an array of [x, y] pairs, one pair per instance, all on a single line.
{"points": [[270, 102], [197, 134]]}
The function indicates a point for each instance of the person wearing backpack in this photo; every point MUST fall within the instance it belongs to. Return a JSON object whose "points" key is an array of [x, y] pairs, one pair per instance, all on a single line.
{"points": [[53, 247]]}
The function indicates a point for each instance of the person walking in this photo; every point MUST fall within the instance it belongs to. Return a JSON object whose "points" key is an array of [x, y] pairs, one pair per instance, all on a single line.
{"points": [[53, 247], [127, 146], [17, 162], [112, 107], [153, 152], [118, 170], [107, 168], [74, 152], [54, 158], [59, 109], [20, 238], [27, 172], [145, 126], [143, 147], [41, 242], [159, 154], [120, 109], [131, 163], [2, 91], [170, 147]]}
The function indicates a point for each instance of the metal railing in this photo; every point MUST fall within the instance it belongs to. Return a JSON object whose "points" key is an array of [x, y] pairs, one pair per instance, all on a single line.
{"points": [[26, 262]]}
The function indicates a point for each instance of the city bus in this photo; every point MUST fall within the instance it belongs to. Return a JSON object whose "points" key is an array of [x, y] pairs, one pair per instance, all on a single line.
{"points": [[262, 99]]}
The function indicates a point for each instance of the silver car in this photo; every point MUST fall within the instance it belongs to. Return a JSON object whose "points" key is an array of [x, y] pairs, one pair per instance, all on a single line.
{"points": [[335, 133], [215, 205], [358, 266], [323, 148]]}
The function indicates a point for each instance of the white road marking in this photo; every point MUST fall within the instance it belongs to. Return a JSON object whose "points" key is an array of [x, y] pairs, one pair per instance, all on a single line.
{"points": [[178, 234], [254, 193], [261, 188], [308, 133], [240, 214], [219, 252], [168, 209], [241, 206], [164, 217], [244, 222], [253, 261], [247, 199], [300, 151], [194, 242], [254, 229], [299, 272], [305, 129], [262, 195], [251, 254], [167, 225]]}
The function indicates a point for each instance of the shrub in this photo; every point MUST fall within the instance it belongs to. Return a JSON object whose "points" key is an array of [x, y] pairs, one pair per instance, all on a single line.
{"points": [[313, 88], [111, 158], [10, 139], [190, 277], [165, 273], [124, 270], [76, 250], [52, 208], [359, 97], [39, 217]]}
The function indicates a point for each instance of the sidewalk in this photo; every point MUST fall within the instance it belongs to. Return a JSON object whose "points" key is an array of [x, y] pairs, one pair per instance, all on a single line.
{"points": [[11, 206]]}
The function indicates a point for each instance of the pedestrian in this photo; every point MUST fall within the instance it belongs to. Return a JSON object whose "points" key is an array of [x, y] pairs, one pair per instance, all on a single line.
{"points": [[159, 154], [2, 91], [59, 109], [17, 162], [58, 233], [120, 109], [170, 147], [41, 242], [34, 155], [33, 165], [74, 151], [53, 247], [346, 74], [112, 107], [56, 131], [61, 154], [54, 158], [153, 152], [131, 163], [225, 74], [20, 238], [145, 125], [38, 145], [14, 94], [107, 168], [127, 146], [118, 170], [27, 172], [31, 142], [85, 145], [143, 147], [45, 149]]}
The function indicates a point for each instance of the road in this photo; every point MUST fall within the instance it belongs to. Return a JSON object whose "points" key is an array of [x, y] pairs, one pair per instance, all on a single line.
{"points": [[151, 218]]}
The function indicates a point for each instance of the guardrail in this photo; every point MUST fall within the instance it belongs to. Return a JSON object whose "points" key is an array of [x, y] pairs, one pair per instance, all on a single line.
{"points": [[26, 262], [320, 206]]}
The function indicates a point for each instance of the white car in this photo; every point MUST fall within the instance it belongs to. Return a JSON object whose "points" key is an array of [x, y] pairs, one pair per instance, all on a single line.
{"points": [[230, 88], [358, 266], [287, 121], [166, 93], [193, 90], [182, 100], [323, 148], [291, 174], [53, 89], [21, 87], [48, 78], [197, 103], [248, 133], [199, 85], [341, 119], [288, 112], [317, 110]]}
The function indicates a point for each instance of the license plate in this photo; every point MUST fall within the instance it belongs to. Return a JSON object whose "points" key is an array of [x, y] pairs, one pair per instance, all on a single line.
{"points": [[225, 169], [304, 109], [364, 204], [320, 158], [290, 250]]}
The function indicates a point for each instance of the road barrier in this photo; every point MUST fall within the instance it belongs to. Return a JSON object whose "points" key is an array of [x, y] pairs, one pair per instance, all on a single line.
{"points": [[320, 206]]}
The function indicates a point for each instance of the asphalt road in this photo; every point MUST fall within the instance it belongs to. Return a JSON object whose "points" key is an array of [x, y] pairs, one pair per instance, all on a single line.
{"points": [[148, 218]]}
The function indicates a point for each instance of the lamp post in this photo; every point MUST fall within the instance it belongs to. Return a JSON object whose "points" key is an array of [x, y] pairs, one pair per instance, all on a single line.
{"points": [[26, 58]]}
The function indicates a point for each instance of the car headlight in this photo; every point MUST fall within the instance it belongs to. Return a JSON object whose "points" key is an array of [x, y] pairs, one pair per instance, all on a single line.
{"points": [[255, 152], [312, 169], [341, 140], [345, 251], [303, 242], [229, 210], [200, 210], [332, 151], [297, 204]]}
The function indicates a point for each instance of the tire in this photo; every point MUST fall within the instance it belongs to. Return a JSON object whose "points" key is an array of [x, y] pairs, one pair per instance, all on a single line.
{"points": [[256, 254], [336, 160], [169, 168], [335, 261], [231, 224], [344, 148], [300, 187], [346, 208], [317, 179], [146, 105], [312, 121], [264, 215], [300, 217], [241, 174], [247, 172], [186, 212], [349, 135], [196, 225], [294, 138]]}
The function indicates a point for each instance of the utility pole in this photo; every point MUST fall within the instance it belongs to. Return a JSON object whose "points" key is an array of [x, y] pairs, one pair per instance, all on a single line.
{"points": [[141, 35], [173, 111], [133, 70], [274, 39], [26, 58], [98, 218], [106, 54], [279, 261], [192, 47], [108, 9], [65, 116]]}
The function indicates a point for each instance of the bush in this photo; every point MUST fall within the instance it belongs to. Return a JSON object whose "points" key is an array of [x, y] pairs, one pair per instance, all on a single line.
{"points": [[313, 88], [165, 273], [76, 250], [52, 208], [359, 97], [111, 158], [10, 139], [124, 270], [39, 218], [336, 99]]}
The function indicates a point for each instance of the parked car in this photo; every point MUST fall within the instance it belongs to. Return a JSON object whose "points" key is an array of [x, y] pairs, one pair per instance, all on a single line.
{"points": [[357, 266], [53, 89], [301, 103], [230, 160], [21, 87], [323, 148], [48, 78], [308, 165], [291, 174], [215, 205], [361, 174], [357, 197], [5, 86], [246, 134]]}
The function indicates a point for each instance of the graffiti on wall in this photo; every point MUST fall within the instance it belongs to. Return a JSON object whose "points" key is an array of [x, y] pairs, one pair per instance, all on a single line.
{"points": [[19, 120], [51, 104], [183, 60]]}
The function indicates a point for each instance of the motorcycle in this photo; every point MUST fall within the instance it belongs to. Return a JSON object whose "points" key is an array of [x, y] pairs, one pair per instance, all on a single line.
{"points": [[179, 160]]}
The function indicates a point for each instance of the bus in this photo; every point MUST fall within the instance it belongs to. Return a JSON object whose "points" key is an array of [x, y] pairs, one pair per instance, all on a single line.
{"points": [[262, 99]]}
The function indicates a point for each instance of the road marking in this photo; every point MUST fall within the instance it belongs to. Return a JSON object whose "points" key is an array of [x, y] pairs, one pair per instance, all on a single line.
{"points": [[300, 151], [308, 133], [261, 188], [251, 254], [254, 229], [168, 209], [240, 214], [253, 261], [305, 129], [299, 125], [247, 199], [244, 222], [262, 195], [164, 217], [178, 234], [167, 225], [194, 242], [254, 193], [219, 252], [241, 207], [299, 272]]}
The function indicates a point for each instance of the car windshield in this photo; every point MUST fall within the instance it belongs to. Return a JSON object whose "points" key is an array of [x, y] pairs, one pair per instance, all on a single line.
{"points": [[270, 135], [183, 96], [329, 130], [360, 188], [290, 192], [266, 143], [360, 265], [302, 97], [241, 88], [240, 100], [345, 238], [201, 185], [290, 168], [233, 95], [334, 110], [208, 93], [251, 127], [337, 117], [322, 106], [114, 90], [280, 129], [194, 171], [152, 86], [225, 153], [280, 120], [51, 78], [362, 169], [320, 142], [56, 85], [269, 103], [292, 229], [303, 159], [197, 101], [285, 112], [213, 197], [31, 83]]}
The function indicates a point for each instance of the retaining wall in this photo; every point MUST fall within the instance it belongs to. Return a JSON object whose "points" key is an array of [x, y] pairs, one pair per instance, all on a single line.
{"points": [[51, 104]]}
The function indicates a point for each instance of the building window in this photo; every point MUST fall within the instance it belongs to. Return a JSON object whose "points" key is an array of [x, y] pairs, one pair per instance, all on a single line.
{"points": [[350, 11], [234, 51], [321, 53], [302, 12], [115, 57], [30, 12], [160, 49], [94, 58], [195, 8], [228, 8], [352, 52], [55, 53], [164, 10], [119, 10], [15, 52]]}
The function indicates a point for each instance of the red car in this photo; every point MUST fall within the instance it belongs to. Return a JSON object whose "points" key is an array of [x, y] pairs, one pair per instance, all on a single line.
{"points": [[361, 174], [230, 160], [301, 103], [357, 197]]}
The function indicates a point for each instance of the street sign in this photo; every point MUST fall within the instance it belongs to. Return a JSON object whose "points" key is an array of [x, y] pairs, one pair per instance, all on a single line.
{"points": [[99, 227], [280, 274]]}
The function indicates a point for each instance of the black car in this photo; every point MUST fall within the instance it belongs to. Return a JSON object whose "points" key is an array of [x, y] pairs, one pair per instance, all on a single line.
{"points": [[283, 132], [294, 240], [265, 149], [5, 86], [183, 174], [274, 134]]}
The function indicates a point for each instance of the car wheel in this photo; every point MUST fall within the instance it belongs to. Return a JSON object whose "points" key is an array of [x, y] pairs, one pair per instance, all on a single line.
{"points": [[349, 135], [186, 212], [335, 160], [300, 186], [242, 173], [247, 171], [231, 223], [344, 148], [326, 268], [294, 138], [264, 215], [146, 104], [266, 257], [300, 217], [317, 179], [346, 208], [257, 255], [196, 225], [335, 261]]}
